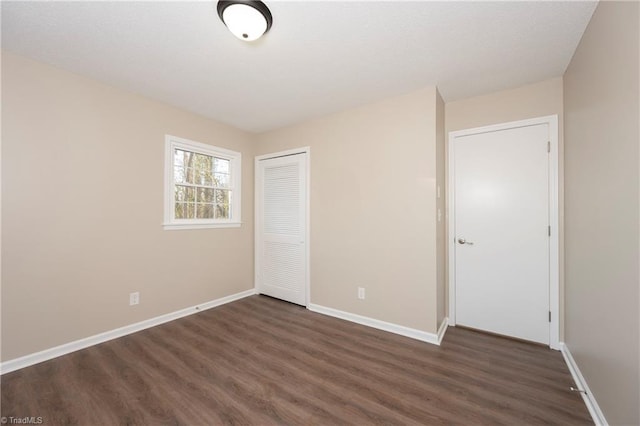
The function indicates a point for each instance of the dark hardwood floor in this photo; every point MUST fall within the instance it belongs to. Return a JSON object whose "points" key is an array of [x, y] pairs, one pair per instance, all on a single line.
{"points": [[262, 361]]}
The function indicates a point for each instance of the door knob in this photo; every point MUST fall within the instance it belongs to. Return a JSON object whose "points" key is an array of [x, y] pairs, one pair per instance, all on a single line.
{"points": [[463, 241]]}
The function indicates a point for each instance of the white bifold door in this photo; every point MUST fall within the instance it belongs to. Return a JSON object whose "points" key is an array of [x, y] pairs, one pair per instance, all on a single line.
{"points": [[281, 227], [501, 222]]}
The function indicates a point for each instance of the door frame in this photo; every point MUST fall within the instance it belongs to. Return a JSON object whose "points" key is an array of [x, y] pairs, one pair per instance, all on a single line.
{"points": [[257, 216], [554, 260]]}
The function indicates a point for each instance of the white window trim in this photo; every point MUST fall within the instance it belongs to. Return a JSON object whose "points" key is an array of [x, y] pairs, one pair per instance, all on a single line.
{"points": [[170, 223]]}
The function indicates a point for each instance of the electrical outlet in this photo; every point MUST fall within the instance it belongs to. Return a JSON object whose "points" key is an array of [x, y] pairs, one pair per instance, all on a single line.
{"points": [[361, 293], [134, 298]]}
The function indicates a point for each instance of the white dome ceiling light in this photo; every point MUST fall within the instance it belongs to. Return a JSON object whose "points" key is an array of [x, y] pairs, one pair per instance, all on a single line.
{"points": [[248, 20]]}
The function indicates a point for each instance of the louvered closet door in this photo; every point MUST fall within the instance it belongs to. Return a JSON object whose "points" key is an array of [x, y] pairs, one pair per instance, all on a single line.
{"points": [[281, 228]]}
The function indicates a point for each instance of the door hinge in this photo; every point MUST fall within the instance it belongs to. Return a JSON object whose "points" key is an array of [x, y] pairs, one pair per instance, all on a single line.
{"points": [[549, 146], [549, 230], [549, 316]]}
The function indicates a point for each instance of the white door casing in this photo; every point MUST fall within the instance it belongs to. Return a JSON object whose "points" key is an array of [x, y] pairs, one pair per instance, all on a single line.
{"points": [[282, 254], [503, 193]]}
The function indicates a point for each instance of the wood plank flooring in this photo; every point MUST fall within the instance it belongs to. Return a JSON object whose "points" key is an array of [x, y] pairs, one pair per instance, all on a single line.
{"points": [[261, 361]]}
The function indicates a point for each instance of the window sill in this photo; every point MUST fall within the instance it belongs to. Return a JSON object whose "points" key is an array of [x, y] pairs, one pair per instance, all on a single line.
{"points": [[181, 226]]}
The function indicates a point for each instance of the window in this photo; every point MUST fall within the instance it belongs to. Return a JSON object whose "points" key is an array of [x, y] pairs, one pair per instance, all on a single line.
{"points": [[202, 185]]}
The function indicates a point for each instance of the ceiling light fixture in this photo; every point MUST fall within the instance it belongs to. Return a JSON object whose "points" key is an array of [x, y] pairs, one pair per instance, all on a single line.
{"points": [[248, 20]]}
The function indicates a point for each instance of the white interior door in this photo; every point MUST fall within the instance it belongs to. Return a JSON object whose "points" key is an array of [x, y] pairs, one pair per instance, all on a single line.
{"points": [[281, 228], [502, 231]]}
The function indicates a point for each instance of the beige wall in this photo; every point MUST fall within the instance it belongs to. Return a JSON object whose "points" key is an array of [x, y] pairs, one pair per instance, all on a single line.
{"points": [[530, 101], [602, 208], [441, 237], [82, 188], [373, 207]]}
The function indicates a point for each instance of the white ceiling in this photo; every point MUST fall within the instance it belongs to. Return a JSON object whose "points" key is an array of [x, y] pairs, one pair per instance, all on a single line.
{"points": [[319, 57]]}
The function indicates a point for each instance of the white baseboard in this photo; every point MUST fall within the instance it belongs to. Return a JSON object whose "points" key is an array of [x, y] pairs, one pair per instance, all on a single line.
{"points": [[443, 329], [383, 325], [47, 354], [581, 383]]}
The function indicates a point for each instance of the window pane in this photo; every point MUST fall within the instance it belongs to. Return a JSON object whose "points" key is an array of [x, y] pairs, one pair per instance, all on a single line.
{"points": [[190, 212], [179, 157], [180, 210], [221, 180], [190, 194], [182, 158], [205, 195], [221, 165], [203, 177], [203, 166], [222, 211], [222, 196], [180, 193], [205, 211], [202, 161], [179, 176], [189, 178]]}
